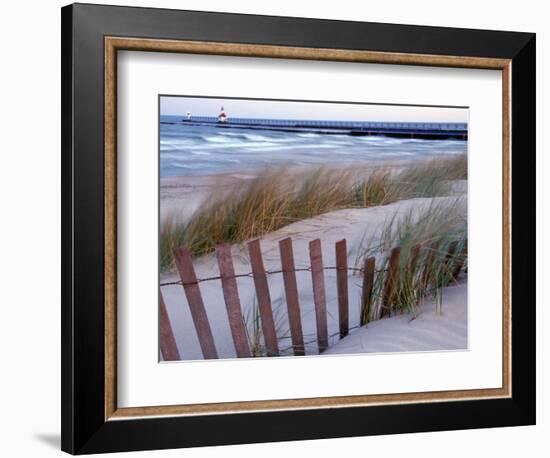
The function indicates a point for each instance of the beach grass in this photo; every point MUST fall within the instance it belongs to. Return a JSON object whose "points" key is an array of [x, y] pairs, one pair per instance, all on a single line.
{"points": [[438, 234], [277, 198]]}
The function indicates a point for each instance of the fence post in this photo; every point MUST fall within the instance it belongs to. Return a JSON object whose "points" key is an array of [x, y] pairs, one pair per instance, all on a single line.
{"points": [[392, 279], [194, 299], [168, 347], [342, 286], [366, 292], [319, 298], [232, 301], [291, 292], [264, 298]]}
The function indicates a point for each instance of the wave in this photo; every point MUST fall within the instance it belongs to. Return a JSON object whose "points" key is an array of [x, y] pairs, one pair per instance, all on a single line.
{"points": [[217, 139], [197, 149], [308, 135]]}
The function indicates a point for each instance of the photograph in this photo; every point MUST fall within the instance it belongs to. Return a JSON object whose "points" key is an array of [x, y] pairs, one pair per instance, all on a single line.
{"points": [[302, 228]]}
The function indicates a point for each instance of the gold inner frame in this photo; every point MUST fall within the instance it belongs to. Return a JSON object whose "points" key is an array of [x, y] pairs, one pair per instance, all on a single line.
{"points": [[114, 44]]}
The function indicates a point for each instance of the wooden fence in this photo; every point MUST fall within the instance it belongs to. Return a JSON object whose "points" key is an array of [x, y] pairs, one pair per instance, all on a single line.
{"points": [[369, 310]]}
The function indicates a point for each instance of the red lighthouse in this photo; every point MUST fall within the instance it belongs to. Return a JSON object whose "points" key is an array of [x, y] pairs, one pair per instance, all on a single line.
{"points": [[222, 117]]}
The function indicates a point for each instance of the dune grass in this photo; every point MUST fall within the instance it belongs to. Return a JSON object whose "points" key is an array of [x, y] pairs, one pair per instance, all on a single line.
{"points": [[439, 233], [254, 329], [275, 199]]}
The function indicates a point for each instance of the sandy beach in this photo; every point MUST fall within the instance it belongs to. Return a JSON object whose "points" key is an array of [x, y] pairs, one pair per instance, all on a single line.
{"points": [[428, 331], [182, 195]]}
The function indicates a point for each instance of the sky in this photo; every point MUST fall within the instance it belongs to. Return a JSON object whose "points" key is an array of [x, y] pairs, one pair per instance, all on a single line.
{"points": [[239, 108]]}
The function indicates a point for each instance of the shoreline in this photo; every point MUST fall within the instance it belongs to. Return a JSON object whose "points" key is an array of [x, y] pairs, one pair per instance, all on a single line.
{"points": [[184, 194], [367, 163]]}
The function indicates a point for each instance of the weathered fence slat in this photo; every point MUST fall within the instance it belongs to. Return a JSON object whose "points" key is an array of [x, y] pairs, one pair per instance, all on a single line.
{"points": [[319, 297], [392, 278], [291, 293], [194, 299], [366, 293], [461, 259], [168, 347], [232, 301], [342, 286], [263, 297]]}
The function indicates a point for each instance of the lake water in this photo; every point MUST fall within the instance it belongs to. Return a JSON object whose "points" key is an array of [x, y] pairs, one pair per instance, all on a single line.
{"points": [[199, 150]]}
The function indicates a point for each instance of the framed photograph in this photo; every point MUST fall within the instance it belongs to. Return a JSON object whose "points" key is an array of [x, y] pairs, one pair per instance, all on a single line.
{"points": [[281, 228]]}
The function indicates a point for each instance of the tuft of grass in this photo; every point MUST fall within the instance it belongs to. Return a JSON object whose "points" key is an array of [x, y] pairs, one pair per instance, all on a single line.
{"points": [[433, 246], [275, 199], [254, 328]]}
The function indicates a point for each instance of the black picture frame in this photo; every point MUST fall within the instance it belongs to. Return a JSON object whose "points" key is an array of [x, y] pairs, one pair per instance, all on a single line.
{"points": [[84, 427]]}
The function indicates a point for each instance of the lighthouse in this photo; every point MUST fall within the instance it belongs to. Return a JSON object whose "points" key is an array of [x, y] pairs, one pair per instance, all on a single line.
{"points": [[222, 117]]}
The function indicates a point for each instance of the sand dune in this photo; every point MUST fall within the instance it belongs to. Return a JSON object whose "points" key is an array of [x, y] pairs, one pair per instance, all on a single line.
{"points": [[427, 332]]}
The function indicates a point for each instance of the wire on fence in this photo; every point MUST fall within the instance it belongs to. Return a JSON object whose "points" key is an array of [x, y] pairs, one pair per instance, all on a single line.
{"points": [[273, 272], [268, 272]]}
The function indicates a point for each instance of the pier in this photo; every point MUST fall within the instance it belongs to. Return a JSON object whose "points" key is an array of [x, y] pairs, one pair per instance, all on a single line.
{"points": [[424, 130]]}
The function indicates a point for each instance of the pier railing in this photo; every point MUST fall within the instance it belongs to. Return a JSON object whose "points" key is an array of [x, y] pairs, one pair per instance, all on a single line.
{"points": [[372, 308]]}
